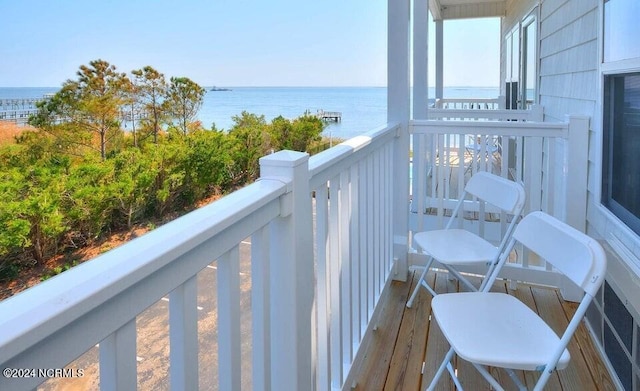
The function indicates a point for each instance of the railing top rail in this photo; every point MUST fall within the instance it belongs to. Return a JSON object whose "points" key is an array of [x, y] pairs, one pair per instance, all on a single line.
{"points": [[484, 114], [499, 128], [329, 163], [37, 313], [468, 100]]}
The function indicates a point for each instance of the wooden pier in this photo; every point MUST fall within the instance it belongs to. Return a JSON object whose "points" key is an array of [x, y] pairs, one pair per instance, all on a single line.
{"points": [[19, 104], [17, 116], [334, 116], [19, 110]]}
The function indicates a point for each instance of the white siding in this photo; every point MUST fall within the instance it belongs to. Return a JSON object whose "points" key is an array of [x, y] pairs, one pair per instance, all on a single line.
{"points": [[569, 77], [568, 57], [570, 83]]}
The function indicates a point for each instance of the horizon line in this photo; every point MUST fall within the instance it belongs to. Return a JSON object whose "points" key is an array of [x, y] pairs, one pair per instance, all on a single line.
{"points": [[281, 86]]}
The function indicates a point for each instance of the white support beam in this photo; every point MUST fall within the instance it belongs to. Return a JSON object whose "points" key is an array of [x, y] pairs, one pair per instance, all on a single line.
{"points": [[435, 8], [398, 96], [420, 59], [439, 59]]}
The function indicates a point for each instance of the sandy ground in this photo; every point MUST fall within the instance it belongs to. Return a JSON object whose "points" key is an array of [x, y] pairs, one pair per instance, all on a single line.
{"points": [[9, 131]]}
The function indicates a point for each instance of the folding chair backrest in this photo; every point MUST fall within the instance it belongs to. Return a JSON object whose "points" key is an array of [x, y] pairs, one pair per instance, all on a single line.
{"points": [[501, 192], [576, 255]]}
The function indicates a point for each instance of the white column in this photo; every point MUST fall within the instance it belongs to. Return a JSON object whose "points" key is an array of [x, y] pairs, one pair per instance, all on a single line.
{"points": [[576, 176], [420, 90], [420, 59], [398, 111], [439, 61], [292, 279]]}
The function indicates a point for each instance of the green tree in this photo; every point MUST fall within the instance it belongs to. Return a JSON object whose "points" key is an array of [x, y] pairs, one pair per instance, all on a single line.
{"points": [[152, 89], [296, 135], [184, 99], [87, 111], [206, 164], [246, 145], [31, 216], [132, 184], [88, 200], [305, 130]]}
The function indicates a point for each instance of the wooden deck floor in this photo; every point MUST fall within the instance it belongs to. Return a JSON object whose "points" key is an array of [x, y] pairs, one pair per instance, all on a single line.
{"points": [[405, 338]]}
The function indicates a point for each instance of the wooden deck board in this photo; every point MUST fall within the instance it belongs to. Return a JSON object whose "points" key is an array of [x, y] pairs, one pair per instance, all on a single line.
{"points": [[407, 338], [409, 352], [376, 360]]}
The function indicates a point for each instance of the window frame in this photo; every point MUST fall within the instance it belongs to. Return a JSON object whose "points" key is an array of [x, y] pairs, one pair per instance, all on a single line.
{"points": [[609, 90]]}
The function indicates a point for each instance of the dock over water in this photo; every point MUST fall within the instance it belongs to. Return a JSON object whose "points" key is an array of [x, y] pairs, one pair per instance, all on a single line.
{"points": [[18, 110], [335, 116]]}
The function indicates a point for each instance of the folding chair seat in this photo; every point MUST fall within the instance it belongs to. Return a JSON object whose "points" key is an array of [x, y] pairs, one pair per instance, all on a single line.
{"points": [[498, 330], [453, 247]]}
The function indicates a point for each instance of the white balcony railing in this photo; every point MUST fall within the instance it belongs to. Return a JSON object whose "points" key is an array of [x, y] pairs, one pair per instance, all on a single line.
{"points": [[315, 283], [550, 159], [303, 331], [353, 193], [470, 103]]}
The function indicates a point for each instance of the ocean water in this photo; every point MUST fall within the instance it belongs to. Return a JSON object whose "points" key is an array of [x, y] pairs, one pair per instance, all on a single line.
{"points": [[362, 108]]}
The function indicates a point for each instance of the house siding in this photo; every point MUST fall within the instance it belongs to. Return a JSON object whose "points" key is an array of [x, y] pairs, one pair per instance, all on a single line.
{"points": [[570, 83], [568, 58]]}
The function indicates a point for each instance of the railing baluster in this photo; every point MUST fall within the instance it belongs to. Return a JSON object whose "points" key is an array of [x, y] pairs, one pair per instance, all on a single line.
{"points": [[534, 173], [370, 239], [441, 181], [183, 336], [364, 250], [323, 288], [354, 230], [388, 222], [337, 353], [345, 269], [260, 310], [229, 320], [377, 256], [462, 170], [118, 365], [421, 173]]}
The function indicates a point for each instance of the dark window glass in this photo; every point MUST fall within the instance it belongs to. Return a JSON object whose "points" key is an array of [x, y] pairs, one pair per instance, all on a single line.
{"points": [[621, 154], [619, 317], [618, 359]]}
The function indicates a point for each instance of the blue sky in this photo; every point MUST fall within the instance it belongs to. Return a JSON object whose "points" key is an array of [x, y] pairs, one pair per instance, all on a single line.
{"points": [[222, 42]]}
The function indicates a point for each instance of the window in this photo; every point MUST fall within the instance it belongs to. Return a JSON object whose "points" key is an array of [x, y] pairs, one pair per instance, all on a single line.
{"points": [[621, 154], [621, 29]]}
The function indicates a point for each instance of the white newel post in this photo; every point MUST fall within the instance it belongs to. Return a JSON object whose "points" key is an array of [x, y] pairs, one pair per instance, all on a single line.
{"points": [[577, 165], [291, 257], [576, 187], [398, 94]]}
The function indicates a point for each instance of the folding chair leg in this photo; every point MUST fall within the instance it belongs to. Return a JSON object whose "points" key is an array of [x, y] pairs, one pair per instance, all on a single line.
{"points": [[483, 371], [445, 364], [516, 380], [460, 278], [542, 380], [421, 283]]}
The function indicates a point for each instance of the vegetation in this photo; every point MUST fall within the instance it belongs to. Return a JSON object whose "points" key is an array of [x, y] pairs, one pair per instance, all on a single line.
{"points": [[79, 175]]}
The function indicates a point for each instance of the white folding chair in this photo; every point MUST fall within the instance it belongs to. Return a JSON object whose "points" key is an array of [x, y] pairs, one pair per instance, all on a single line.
{"points": [[498, 330], [454, 247]]}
